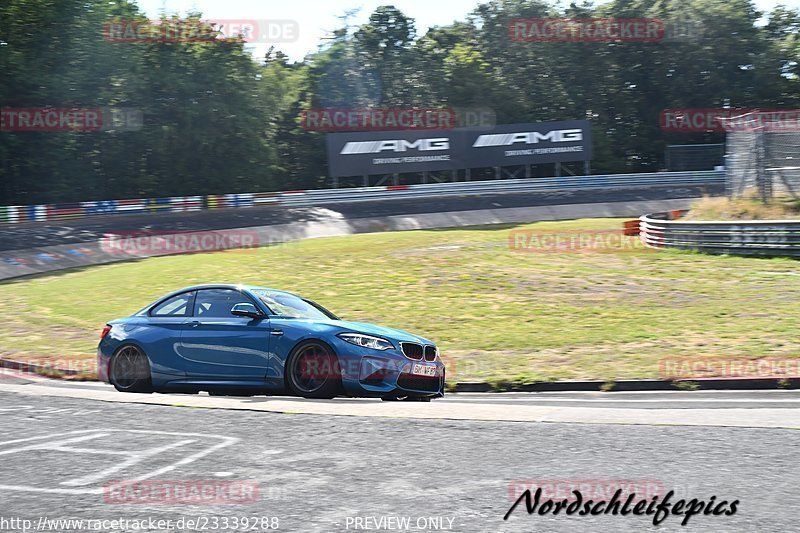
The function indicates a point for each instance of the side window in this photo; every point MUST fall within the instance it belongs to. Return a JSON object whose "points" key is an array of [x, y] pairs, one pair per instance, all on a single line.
{"points": [[175, 306], [217, 303]]}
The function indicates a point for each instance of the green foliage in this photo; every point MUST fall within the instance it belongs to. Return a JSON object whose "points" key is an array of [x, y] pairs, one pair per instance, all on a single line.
{"points": [[686, 385], [216, 121], [608, 386]]}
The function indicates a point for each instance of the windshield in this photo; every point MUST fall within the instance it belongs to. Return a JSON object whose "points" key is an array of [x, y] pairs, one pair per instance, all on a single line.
{"points": [[290, 306]]}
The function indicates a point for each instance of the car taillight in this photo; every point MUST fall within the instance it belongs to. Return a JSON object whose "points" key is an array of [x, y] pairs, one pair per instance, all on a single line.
{"points": [[106, 329]]}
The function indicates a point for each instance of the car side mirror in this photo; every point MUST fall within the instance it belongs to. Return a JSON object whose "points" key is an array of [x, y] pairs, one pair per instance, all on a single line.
{"points": [[246, 310]]}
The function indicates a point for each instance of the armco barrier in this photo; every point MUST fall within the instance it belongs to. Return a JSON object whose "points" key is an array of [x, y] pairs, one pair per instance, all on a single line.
{"points": [[755, 237], [17, 263], [712, 178], [37, 213]]}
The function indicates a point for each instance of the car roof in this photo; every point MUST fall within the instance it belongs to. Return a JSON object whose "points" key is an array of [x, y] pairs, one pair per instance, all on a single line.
{"points": [[235, 286]]}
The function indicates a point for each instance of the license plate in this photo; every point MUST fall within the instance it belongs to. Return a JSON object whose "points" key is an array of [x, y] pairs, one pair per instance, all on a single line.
{"points": [[424, 370]]}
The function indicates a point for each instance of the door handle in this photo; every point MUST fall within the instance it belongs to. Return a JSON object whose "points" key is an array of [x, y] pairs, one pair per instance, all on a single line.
{"points": [[194, 323], [276, 332]]}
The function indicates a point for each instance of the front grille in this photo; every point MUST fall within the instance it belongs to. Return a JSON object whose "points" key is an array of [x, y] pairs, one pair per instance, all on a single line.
{"points": [[419, 383], [430, 353], [412, 350]]}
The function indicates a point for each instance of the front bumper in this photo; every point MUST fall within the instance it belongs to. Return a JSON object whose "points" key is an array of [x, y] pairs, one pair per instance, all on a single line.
{"points": [[390, 374]]}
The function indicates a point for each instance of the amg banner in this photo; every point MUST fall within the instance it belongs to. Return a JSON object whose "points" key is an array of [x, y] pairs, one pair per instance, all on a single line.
{"points": [[355, 154], [386, 152], [529, 144]]}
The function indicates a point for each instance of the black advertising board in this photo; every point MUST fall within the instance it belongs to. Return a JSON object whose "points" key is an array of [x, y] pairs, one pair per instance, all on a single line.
{"points": [[528, 144], [387, 152], [363, 153]]}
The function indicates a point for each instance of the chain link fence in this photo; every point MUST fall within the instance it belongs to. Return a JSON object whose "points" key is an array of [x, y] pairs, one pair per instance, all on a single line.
{"points": [[762, 157]]}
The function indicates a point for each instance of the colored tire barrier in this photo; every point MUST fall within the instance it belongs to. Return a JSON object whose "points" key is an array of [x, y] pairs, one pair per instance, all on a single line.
{"points": [[66, 211], [18, 263]]}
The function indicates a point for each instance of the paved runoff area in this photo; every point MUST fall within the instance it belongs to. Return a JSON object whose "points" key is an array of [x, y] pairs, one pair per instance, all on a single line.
{"points": [[83, 457]]}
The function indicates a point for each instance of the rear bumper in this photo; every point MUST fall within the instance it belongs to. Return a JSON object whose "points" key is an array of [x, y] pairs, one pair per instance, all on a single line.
{"points": [[103, 361]]}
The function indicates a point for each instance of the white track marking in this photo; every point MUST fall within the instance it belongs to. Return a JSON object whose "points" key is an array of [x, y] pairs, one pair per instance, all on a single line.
{"points": [[87, 484], [30, 411], [134, 459], [15, 407], [48, 445]]}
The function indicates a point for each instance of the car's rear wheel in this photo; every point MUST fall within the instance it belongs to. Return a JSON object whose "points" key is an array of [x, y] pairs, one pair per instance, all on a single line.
{"points": [[130, 370], [313, 371]]}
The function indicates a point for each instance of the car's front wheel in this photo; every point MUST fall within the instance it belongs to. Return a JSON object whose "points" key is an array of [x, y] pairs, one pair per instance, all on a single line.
{"points": [[130, 370], [313, 371], [406, 398]]}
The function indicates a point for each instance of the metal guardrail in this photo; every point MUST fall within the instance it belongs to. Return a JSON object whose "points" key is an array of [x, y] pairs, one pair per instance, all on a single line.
{"points": [[756, 237], [565, 183], [308, 198]]}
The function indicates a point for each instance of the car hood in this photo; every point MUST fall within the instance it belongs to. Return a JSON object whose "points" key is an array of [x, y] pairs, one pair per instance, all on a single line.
{"points": [[340, 326]]}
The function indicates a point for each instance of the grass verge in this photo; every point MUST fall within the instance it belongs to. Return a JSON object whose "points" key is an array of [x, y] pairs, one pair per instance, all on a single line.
{"points": [[553, 312], [748, 208]]}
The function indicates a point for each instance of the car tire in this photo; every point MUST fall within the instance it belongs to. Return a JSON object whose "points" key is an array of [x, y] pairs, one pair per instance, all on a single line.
{"points": [[406, 398], [417, 399], [129, 370], [313, 371]]}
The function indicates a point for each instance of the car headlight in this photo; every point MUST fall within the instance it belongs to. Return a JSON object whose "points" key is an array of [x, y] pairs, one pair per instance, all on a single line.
{"points": [[366, 341]]}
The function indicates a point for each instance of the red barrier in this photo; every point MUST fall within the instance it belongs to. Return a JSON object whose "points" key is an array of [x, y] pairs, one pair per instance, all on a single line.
{"points": [[630, 228]]}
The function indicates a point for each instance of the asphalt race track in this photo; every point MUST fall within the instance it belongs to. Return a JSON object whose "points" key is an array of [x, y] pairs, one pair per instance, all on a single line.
{"points": [[456, 464], [91, 229], [450, 465]]}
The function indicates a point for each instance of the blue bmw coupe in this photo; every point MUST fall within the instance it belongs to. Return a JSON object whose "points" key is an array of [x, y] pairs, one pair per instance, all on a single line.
{"points": [[244, 340]]}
